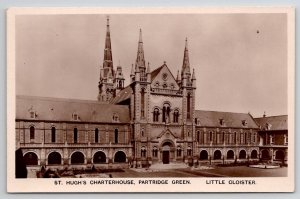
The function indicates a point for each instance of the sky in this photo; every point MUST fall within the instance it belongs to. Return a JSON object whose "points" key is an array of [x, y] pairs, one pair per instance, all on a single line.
{"points": [[240, 60]]}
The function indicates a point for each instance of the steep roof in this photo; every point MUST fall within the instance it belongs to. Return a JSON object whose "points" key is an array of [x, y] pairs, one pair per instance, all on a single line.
{"points": [[122, 95], [233, 120], [56, 109], [274, 122], [156, 71]]}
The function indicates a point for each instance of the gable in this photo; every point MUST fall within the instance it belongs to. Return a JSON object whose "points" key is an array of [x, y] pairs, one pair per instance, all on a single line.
{"points": [[162, 78]]}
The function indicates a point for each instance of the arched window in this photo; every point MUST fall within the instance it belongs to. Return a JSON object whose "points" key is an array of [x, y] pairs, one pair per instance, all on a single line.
{"points": [[234, 139], [143, 152], [189, 151], [120, 84], [230, 154], [142, 133], [188, 106], [223, 136], [217, 155], [32, 132], [96, 135], [142, 103], [154, 152], [198, 136], [210, 136], [179, 151], [175, 116], [242, 154], [166, 113], [54, 158], [75, 135], [53, 136], [116, 136], [155, 115]]}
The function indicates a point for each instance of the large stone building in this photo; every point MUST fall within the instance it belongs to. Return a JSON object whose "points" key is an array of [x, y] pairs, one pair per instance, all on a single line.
{"points": [[151, 121]]}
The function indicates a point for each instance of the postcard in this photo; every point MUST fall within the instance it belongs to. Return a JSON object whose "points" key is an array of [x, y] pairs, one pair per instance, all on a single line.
{"points": [[151, 99]]}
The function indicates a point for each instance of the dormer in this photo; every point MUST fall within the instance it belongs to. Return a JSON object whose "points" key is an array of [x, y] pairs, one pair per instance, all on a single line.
{"points": [[32, 113], [75, 117], [115, 117], [221, 121], [244, 122]]}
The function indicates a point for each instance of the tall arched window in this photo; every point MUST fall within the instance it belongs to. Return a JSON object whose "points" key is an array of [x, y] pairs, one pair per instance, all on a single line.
{"points": [[188, 106], [166, 113], [175, 116], [154, 152], [155, 115], [198, 136], [75, 135], [96, 135], [178, 151], [53, 136], [210, 136], [116, 136], [32, 132], [143, 152], [142, 103], [234, 138]]}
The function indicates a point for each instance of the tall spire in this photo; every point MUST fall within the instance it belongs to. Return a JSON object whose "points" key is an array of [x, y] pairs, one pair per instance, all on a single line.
{"points": [[140, 59], [186, 62], [107, 62]]}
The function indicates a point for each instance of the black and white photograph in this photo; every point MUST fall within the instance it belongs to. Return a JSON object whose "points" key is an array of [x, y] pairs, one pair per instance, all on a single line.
{"points": [[151, 97]]}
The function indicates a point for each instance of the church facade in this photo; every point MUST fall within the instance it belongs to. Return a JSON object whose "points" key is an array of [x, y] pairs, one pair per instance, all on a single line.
{"points": [[151, 121]]}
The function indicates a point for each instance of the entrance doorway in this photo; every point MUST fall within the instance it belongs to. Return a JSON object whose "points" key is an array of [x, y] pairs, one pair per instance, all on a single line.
{"points": [[166, 152], [166, 157]]}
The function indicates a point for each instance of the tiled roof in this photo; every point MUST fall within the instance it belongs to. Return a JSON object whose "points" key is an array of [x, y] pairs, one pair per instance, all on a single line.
{"points": [[56, 109], [122, 95], [273, 122], [233, 120]]}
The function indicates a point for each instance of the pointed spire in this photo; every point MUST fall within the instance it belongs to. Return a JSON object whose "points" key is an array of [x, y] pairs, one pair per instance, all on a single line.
{"points": [[132, 70], [107, 62], [140, 59], [193, 75], [148, 68], [177, 78], [186, 62], [140, 37]]}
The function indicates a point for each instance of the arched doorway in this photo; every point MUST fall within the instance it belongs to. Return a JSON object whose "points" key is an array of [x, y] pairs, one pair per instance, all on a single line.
{"points": [[31, 159], [77, 158], [230, 155], [99, 157], [166, 147], [217, 155], [279, 155], [203, 155], [120, 156], [254, 154], [54, 158], [265, 155], [242, 154]]}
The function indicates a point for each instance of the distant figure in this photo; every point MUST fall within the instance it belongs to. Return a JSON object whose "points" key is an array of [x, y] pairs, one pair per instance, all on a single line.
{"points": [[21, 170], [110, 176]]}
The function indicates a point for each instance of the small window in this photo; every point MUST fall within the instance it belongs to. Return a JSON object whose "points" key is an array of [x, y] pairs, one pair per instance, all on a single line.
{"points": [[75, 135], [96, 135], [116, 136], [53, 134], [142, 133], [32, 132]]}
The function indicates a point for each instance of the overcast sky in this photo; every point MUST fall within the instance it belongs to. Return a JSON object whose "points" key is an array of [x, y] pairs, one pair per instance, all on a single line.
{"points": [[240, 60]]}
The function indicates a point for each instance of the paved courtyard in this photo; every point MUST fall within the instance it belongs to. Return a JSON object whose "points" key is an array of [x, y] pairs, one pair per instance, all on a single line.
{"points": [[237, 171]]}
